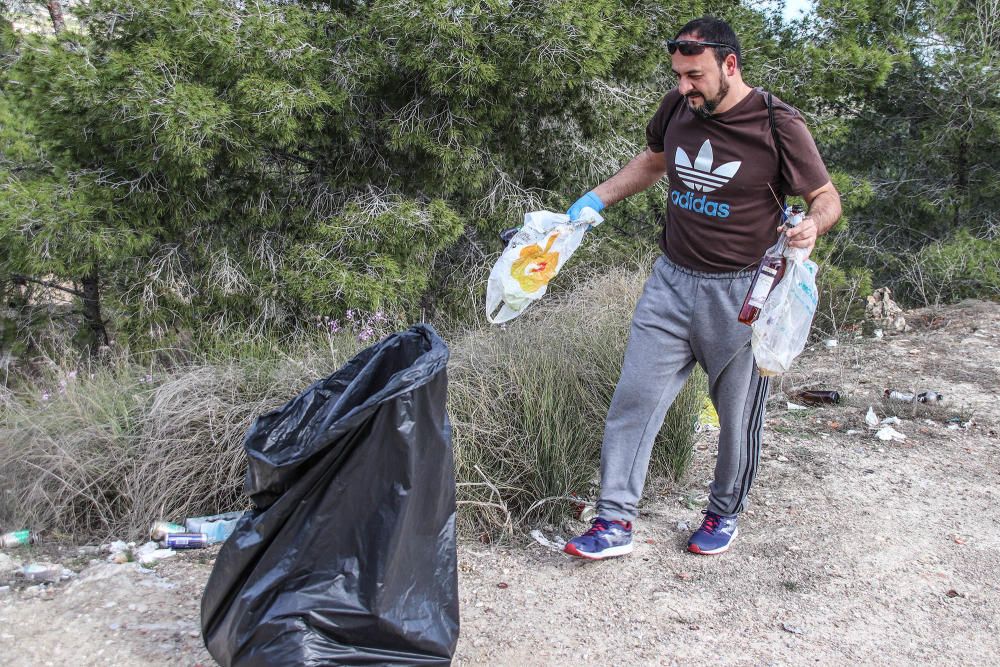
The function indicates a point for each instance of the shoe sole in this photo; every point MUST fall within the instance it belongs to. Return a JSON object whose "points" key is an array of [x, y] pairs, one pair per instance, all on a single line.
{"points": [[610, 552], [695, 549]]}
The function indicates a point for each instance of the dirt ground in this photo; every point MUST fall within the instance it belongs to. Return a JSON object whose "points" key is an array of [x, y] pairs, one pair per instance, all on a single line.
{"points": [[854, 550]]}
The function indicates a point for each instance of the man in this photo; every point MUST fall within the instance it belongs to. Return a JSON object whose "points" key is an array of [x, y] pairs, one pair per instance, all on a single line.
{"points": [[712, 136]]}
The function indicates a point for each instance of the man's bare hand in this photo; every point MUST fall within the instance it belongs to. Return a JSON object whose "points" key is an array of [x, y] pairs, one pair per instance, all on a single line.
{"points": [[803, 235]]}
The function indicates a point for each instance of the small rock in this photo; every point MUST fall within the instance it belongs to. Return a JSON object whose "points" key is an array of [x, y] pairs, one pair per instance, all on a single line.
{"points": [[794, 629], [8, 564], [781, 458], [884, 311], [116, 547]]}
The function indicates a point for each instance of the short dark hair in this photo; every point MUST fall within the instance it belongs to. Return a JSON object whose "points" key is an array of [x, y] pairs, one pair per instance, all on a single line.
{"points": [[711, 29]]}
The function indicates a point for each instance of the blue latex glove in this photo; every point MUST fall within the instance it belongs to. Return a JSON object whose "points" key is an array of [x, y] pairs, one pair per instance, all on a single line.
{"points": [[590, 199]]}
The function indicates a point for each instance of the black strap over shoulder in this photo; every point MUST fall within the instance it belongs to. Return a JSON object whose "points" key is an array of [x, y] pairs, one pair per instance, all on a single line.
{"points": [[774, 133]]}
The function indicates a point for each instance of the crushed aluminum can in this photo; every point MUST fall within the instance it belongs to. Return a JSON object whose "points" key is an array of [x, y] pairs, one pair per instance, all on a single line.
{"points": [[901, 396], [18, 538], [909, 397], [161, 529], [185, 541]]}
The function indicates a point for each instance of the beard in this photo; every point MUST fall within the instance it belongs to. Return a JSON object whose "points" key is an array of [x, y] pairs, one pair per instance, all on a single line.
{"points": [[708, 107]]}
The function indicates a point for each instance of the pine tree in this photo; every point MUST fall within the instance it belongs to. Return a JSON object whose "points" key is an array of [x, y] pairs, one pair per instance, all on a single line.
{"points": [[248, 165], [927, 143]]}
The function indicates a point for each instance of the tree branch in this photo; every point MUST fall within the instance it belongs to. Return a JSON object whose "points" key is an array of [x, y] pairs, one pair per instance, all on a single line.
{"points": [[18, 278], [56, 14]]}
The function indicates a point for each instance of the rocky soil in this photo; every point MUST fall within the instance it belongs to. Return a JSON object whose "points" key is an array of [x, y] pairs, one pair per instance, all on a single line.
{"points": [[855, 550]]}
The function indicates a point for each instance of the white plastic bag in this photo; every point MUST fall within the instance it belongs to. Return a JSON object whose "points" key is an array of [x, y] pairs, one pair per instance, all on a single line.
{"points": [[532, 258], [780, 332]]}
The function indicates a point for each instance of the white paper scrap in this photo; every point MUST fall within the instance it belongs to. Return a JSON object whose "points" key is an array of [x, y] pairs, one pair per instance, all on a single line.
{"points": [[887, 433]]}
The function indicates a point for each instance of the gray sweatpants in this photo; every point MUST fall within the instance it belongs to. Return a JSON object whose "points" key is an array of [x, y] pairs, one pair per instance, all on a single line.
{"points": [[684, 317]]}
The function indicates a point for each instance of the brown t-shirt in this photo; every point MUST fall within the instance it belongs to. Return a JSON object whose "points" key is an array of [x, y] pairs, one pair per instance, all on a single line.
{"points": [[721, 216]]}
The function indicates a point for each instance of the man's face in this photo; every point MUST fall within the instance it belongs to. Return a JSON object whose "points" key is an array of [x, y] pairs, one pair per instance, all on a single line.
{"points": [[700, 79]]}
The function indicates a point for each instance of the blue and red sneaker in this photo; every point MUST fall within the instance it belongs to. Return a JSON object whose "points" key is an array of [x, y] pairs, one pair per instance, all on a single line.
{"points": [[715, 535], [606, 538]]}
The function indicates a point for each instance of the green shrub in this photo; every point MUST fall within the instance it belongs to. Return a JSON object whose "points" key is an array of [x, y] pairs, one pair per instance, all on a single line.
{"points": [[961, 267], [529, 401], [842, 293], [102, 450]]}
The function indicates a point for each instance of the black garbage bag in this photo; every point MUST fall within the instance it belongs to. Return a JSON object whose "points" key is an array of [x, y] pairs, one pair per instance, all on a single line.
{"points": [[348, 557]]}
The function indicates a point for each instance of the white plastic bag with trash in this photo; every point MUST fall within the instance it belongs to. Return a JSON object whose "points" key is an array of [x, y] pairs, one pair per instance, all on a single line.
{"points": [[532, 258], [780, 332]]}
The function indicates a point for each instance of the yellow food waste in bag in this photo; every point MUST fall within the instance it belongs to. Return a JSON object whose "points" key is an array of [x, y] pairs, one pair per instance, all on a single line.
{"points": [[532, 258]]}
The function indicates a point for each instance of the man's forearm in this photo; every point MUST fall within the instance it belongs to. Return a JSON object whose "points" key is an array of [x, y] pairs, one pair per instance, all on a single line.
{"points": [[641, 172], [825, 210]]}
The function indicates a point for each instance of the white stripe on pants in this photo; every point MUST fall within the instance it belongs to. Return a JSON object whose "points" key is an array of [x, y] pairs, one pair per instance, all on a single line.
{"points": [[684, 317]]}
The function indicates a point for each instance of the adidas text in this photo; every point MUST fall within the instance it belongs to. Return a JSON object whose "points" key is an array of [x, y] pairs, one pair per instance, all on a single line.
{"points": [[700, 204]]}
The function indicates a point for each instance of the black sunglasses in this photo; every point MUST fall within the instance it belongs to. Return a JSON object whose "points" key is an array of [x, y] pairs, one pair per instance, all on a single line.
{"points": [[690, 47]]}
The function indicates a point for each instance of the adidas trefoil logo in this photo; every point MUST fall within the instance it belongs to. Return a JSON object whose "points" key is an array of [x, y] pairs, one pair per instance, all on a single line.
{"points": [[700, 176]]}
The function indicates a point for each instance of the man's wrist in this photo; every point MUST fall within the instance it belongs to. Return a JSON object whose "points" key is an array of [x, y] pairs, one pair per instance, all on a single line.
{"points": [[590, 200], [593, 200]]}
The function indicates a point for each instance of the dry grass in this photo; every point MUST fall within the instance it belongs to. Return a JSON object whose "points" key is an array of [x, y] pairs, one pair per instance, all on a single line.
{"points": [[103, 451], [529, 401], [106, 452]]}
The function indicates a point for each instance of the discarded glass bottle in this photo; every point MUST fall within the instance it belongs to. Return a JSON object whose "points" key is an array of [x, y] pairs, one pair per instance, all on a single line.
{"points": [[815, 397], [18, 538], [769, 272]]}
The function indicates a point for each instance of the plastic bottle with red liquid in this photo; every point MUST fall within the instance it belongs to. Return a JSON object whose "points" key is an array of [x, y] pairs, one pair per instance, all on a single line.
{"points": [[769, 272]]}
